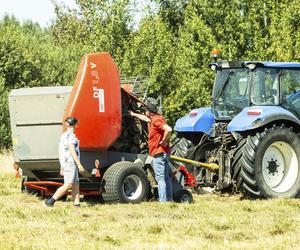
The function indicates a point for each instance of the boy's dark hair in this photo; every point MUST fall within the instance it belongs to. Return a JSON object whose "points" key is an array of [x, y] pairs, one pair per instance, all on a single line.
{"points": [[71, 120]]}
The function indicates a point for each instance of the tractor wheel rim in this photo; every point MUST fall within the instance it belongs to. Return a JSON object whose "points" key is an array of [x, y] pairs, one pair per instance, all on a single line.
{"points": [[280, 166], [132, 187]]}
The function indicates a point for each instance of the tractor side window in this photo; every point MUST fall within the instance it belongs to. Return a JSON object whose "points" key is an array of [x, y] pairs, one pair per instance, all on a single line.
{"points": [[264, 88], [290, 90]]}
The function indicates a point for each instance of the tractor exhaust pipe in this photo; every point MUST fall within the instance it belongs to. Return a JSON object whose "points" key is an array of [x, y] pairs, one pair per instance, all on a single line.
{"points": [[210, 166]]}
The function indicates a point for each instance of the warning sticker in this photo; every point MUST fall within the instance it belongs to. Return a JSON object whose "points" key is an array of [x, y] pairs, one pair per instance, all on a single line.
{"points": [[101, 101]]}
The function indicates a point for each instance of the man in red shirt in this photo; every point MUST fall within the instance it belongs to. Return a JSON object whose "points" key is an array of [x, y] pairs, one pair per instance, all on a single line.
{"points": [[158, 142]]}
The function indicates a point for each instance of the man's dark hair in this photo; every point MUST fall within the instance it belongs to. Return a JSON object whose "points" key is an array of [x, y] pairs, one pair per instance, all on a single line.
{"points": [[151, 105]]}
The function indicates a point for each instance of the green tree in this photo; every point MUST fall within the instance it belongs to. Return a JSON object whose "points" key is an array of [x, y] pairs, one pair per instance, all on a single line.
{"points": [[30, 58], [95, 24], [193, 77], [5, 133], [172, 13], [152, 54], [171, 46], [284, 45]]}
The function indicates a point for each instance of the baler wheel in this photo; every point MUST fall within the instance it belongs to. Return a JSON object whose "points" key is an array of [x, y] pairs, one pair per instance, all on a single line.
{"points": [[269, 166], [125, 182], [183, 196]]}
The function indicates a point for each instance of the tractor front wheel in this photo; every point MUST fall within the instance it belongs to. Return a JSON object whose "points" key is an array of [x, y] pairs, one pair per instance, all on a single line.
{"points": [[270, 164]]}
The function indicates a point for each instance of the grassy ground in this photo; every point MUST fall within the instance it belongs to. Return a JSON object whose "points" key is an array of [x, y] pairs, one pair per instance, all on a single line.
{"points": [[212, 222]]}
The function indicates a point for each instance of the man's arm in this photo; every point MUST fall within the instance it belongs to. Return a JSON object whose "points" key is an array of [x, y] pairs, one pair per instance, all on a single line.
{"points": [[139, 116], [167, 135]]}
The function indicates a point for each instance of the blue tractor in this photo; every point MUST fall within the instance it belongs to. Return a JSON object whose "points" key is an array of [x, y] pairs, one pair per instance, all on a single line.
{"points": [[251, 130]]}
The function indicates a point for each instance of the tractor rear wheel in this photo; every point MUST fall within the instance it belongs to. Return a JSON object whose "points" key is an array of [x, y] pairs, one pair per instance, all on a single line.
{"points": [[269, 166], [125, 182]]}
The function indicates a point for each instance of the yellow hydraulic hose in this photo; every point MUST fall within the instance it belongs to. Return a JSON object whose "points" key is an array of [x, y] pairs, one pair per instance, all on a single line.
{"points": [[210, 166]]}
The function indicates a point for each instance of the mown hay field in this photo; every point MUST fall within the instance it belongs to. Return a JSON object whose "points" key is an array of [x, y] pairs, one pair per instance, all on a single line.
{"points": [[211, 222]]}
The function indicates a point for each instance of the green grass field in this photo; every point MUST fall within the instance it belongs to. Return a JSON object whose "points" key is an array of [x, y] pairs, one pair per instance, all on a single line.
{"points": [[211, 222]]}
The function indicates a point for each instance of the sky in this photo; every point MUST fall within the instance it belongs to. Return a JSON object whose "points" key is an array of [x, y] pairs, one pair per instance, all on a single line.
{"points": [[40, 11]]}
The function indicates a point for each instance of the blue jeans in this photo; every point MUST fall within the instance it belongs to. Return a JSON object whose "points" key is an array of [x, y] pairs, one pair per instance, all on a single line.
{"points": [[162, 176]]}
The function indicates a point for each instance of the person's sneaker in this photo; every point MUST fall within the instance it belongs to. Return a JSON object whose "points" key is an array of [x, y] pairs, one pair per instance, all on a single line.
{"points": [[76, 205], [46, 204]]}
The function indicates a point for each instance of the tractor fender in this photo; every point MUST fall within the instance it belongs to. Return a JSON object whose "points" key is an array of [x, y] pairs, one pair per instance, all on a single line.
{"points": [[258, 116], [198, 120]]}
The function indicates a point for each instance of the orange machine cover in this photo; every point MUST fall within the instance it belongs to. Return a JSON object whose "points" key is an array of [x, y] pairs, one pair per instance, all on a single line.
{"points": [[96, 101]]}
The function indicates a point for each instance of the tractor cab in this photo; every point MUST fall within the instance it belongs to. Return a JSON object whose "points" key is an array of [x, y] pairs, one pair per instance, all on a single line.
{"points": [[245, 84]]}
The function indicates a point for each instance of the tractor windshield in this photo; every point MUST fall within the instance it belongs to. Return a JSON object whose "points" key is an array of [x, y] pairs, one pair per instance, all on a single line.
{"points": [[230, 93], [237, 88]]}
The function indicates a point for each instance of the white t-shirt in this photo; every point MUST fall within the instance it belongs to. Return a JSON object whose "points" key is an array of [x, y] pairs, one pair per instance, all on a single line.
{"points": [[66, 139]]}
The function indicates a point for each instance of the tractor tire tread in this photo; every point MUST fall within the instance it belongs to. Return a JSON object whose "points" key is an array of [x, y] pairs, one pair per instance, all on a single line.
{"points": [[246, 175], [111, 174]]}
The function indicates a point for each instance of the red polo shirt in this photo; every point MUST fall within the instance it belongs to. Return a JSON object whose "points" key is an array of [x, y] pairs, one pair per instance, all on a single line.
{"points": [[156, 134]]}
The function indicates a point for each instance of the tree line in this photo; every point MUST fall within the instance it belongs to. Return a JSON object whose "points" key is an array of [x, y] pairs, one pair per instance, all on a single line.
{"points": [[171, 45]]}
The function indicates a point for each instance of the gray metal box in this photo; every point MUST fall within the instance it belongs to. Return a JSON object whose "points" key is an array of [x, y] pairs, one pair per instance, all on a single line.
{"points": [[36, 121]]}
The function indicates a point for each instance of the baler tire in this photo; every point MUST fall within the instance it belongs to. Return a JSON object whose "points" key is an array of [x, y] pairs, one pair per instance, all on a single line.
{"points": [[183, 196], [270, 164], [125, 182]]}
